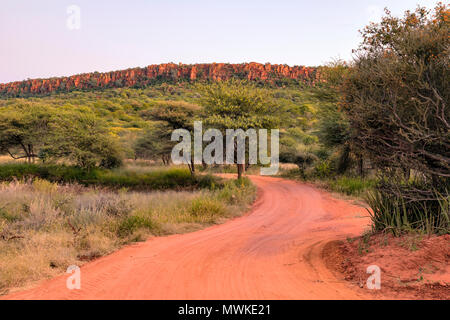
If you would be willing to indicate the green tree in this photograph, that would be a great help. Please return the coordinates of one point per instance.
(238, 105)
(83, 138)
(397, 92)
(155, 143)
(175, 115)
(23, 129)
(396, 98)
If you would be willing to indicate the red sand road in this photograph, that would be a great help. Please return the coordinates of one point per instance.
(273, 252)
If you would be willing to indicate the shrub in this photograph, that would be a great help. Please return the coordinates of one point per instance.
(207, 208)
(395, 98)
(131, 224)
(172, 178)
(351, 186)
(323, 169)
(411, 208)
(42, 232)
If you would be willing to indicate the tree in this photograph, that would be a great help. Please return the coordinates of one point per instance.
(396, 97)
(155, 143)
(176, 115)
(333, 127)
(23, 129)
(397, 92)
(81, 137)
(49, 133)
(237, 105)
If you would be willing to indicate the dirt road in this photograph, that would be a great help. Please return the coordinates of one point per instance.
(273, 252)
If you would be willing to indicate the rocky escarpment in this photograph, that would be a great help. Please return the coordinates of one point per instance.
(163, 72)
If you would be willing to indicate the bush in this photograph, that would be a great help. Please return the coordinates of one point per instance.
(206, 207)
(393, 212)
(131, 224)
(395, 98)
(323, 169)
(237, 192)
(173, 178)
(351, 186)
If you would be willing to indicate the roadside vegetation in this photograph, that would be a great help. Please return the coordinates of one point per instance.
(384, 124)
(47, 226)
(140, 178)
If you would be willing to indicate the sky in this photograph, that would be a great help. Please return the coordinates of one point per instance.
(44, 38)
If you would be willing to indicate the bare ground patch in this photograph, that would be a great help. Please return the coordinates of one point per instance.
(412, 266)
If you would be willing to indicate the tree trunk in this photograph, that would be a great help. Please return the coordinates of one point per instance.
(192, 166)
(361, 166)
(240, 170)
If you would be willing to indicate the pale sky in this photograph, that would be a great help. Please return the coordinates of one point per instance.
(37, 43)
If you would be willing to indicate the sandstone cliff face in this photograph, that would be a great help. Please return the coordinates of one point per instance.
(162, 72)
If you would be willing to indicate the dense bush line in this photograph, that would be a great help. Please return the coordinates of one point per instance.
(171, 178)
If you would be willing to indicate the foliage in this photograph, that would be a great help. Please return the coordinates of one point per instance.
(54, 134)
(403, 211)
(397, 91)
(155, 143)
(395, 97)
(175, 115)
(23, 129)
(171, 178)
(134, 117)
(238, 105)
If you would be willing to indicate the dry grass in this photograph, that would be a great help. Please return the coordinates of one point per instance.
(8, 159)
(45, 227)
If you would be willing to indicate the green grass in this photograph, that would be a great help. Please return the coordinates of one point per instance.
(352, 186)
(170, 178)
(129, 225)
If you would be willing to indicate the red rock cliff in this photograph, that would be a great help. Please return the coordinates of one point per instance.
(162, 72)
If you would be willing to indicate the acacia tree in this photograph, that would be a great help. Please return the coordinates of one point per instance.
(37, 131)
(81, 137)
(155, 143)
(175, 115)
(23, 130)
(397, 92)
(237, 105)
(396, 98)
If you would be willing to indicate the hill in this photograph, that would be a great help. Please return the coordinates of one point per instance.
(170, 72)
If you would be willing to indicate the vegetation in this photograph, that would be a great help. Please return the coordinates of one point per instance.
(238, 105)
(34, 131)
(161, 179)
(395, 97)
(375, 126)
(135, 121)
(45, 226)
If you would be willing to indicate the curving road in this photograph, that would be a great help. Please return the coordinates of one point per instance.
(273, 252)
